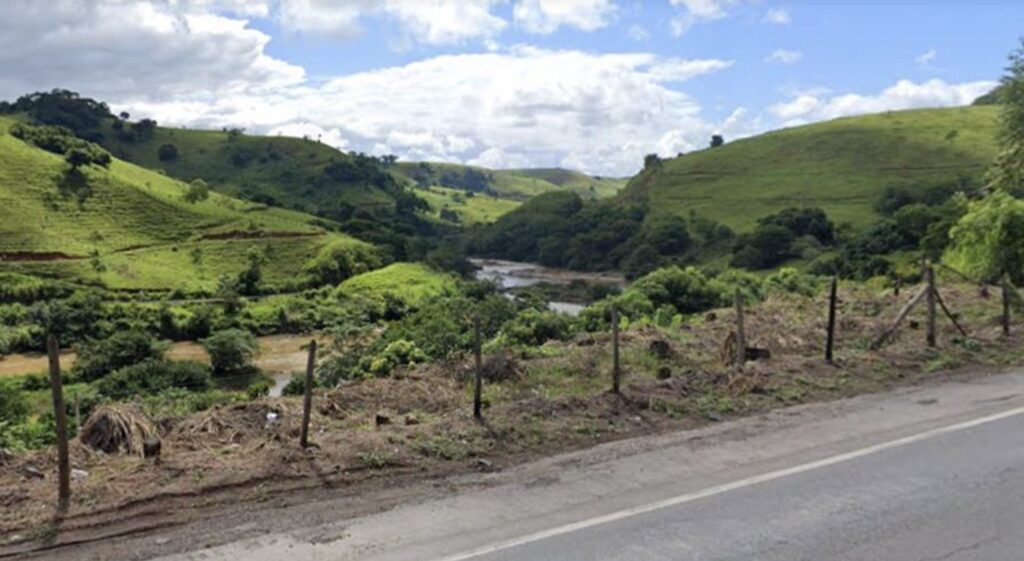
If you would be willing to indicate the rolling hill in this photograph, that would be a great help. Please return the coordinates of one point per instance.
(132, 227)
(843, 166)
(512, 184)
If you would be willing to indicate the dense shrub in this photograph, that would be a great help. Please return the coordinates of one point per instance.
(395, 354)
(154, 376)
(96, 359)
(13, 407)
(533, 327)
(167, 152)
(337, 261)
(687, 290)
(231, 351)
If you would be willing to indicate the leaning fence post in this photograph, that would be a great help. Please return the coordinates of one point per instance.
(478, 374)
(1006, 305)
(831, 320)
(929, 273)
(307, 400)
(741, 334)
(616, 369)
(63, 462)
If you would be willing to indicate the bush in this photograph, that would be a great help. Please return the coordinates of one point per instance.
(197, 191)
(688, 290)
(395, 354)
(167, 152)
(154, 376)
(337, 261)
(125, 348)
(534, 327)
(790, 280)
(231, 351)
(13, 407)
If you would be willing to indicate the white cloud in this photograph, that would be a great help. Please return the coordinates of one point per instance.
(141, 49)
(526, 107)
(905, 94)
(784, 56)
(638, 32)
(546, 16)
(777, 16)
(184, 64)
(436, 23)
(301, 129)
(498, 158)
(926, 59)
(698, 11)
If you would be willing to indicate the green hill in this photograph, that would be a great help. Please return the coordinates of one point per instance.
(512, 184)
(130, 227)
(843, 166)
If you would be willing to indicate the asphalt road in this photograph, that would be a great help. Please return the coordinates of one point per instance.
(952, 497)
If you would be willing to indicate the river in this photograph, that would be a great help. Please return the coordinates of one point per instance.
(510, 275)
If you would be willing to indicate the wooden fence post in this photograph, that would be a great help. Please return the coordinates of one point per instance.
(78, 415)
(616, 369)
(307, 400)
(478, 381)
(741, 333)
(63, 461)
(929, 273)
(1006, 305)
(830, 340)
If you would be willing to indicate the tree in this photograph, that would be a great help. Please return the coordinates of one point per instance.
(249, 279)
(197, 191)
(988, 241)
(717, 140)
(77, 158)
(1008, 170)
(651, 161)
(167, 152)
(124, 348)
(231, 351)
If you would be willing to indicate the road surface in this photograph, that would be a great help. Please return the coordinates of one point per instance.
(921, 474)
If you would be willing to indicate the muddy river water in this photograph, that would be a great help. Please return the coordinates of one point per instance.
(514, 274)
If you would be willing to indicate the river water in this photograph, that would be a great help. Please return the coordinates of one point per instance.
(513, 274)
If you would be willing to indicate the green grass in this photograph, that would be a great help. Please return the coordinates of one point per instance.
(515, 184)
(286, 169)
(413, 283)
(470, 210)
(139, 224)
(842, 166)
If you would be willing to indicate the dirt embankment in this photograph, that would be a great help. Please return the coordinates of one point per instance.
(386, 433)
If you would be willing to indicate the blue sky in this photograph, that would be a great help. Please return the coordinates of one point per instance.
(589, 84)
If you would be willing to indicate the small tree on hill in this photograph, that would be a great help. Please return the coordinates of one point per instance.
(197, 191)
(231, 351)
(167, 152)
(717, 140)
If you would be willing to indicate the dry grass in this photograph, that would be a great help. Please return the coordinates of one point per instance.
(117, 427)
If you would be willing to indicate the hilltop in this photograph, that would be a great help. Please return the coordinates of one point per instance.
(130, 227)
(843, 166)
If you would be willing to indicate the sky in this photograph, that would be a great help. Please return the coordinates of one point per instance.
(592, 85)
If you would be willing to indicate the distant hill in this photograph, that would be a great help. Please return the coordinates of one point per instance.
(476, 194)
(131, 227)
(843, 166)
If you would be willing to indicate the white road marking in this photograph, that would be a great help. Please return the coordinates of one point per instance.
(726, 487)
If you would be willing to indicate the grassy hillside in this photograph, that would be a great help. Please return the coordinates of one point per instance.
(469, 209)
(132, 228)
(513, 184)
(278, 170)
(842, 166)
